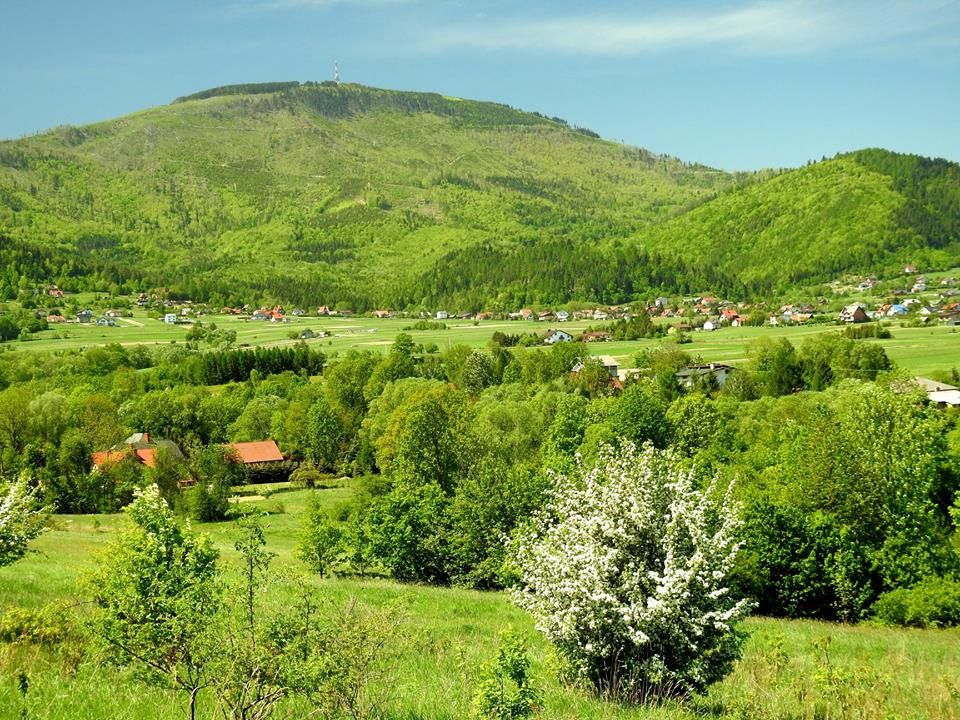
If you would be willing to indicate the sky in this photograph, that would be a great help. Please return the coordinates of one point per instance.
(735, 84)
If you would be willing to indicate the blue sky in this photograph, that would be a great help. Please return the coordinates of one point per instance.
(738, 84)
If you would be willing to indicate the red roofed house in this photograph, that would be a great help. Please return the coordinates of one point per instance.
(262, 461)
(138, 444)
(256, 453)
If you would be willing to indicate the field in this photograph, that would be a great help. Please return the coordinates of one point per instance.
(790, 669)
(921, 350)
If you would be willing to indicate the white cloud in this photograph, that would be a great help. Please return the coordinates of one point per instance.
(779, 27)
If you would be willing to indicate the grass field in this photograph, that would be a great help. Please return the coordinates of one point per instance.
(790, 669)
(921, 350)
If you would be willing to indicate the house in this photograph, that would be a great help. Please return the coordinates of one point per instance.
(113, 314)
(257, 452)
(106, 321)
(526, 314)
(854, 313)
(307, 334)
(600, 315)
(711, 325)
(139, 445)
(141, 299)
(598, 336)
(485, 315)
(170, 318)
(55, 319)
(609, 364)
(692, 374)
(606, 361)
(55, 292)
(939, 393)
(897, 309)
(910, 269)
(563, 316)
(323, 310)
(546, 316)
(555, 336)
(84, 316)
(442, 315)
(298, 312)
(661, 302)
(260, 314)
(382, 314)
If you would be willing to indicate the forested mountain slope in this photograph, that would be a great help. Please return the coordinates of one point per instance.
(329, 194)
(353, 196)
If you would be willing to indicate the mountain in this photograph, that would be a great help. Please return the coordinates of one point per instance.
(355, 196)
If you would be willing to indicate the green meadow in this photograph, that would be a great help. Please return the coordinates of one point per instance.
(921, 350)
(790, 669)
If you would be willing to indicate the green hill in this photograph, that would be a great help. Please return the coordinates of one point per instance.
(355, 196)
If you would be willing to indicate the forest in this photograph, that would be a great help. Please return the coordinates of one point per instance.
(365, 198)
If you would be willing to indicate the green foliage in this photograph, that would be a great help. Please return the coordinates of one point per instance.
(319, 544)
(933, 602)
(157, 590)
(504, 691)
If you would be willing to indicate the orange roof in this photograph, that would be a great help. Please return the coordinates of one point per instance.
(257, 452)
(148, 456)
(107, 457)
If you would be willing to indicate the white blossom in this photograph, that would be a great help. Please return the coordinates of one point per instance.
(625, 571)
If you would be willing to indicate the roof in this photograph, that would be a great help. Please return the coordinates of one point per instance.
(107, 457)
(260, 451)
(933, 385)
(945, 397)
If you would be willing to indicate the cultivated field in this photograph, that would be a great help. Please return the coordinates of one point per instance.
(790, 669)
(921, 350)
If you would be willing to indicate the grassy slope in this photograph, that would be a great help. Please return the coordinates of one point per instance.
(871, 210)
(790, 669)
(921, 350)
(371, 197)
(287, 184)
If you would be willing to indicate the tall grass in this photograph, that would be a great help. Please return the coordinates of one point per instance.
(790, 669)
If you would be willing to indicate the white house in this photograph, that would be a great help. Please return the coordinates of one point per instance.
(563, 316)
(689, 375)
(555, 336)
(442, 315)
(170, 318)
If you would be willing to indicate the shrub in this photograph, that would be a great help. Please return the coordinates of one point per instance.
(504, 691)
(626, 572)
(933, 602)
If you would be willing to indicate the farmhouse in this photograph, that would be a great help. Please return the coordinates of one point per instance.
(139, 445)
(598, 336)
(170, 318)
(106, 321)
(555, 336)
(258, 452)
(85, 316)
(854, 313)
(692, 374)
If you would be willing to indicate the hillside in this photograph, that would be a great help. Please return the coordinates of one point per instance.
(360, 197)
(339, 194)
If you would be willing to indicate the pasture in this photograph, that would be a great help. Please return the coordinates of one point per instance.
(790, 669)
(921, 350)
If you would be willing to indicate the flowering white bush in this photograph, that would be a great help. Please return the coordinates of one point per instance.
(20, 521)
(625, 571)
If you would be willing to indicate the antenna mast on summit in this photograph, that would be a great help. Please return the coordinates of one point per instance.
(336, 73)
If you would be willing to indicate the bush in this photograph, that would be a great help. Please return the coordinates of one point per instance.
(505, 692)
(934, 602)
(626, 572)
(49, 625)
